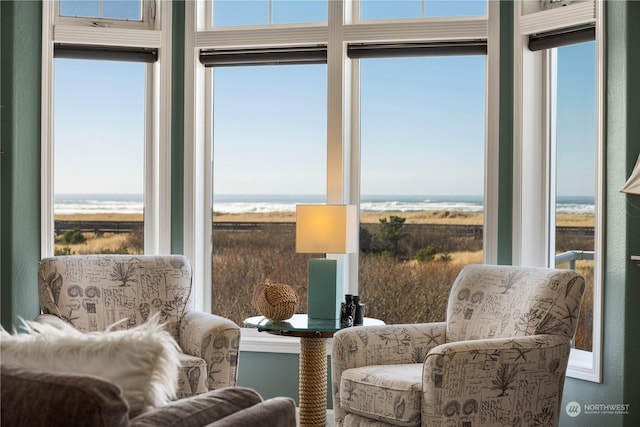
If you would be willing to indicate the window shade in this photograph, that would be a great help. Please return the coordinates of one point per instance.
(266, 56)
(562, 37)
(386, 50)
(108, 53)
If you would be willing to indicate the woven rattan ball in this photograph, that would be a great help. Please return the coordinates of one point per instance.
(275, 301)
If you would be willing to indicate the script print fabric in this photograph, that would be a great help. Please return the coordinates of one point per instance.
(500, 359)
(355, 349)
(389, 392)
(493, 382)
(511, 302)
(93, 292)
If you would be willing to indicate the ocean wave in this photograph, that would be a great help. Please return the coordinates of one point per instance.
(249, 207)
(95, 206)
(418, 206)
(133, 204)
(575, 208)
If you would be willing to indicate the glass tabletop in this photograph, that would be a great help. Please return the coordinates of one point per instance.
(300, 323)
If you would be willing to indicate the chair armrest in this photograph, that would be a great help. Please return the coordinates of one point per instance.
(380, 345)
(200, 410)
(53, 320)
(37, 397)
(216, 340)
(277, 411)
(463, 379)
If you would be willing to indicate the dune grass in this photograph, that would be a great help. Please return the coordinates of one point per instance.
(395, 289)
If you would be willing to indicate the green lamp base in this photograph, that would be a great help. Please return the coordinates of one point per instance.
(324, 292)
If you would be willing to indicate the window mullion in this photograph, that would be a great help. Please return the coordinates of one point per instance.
(337, 99)
(338, 123)
(151, 175)
(492, 139)
(163, 126)
(47, 148)
(551, 92)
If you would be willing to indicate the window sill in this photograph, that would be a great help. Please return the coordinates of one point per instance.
(583, 366)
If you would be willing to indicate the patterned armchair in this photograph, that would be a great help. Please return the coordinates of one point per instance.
(499, 359)
(92, 292)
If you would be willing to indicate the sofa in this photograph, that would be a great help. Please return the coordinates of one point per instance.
(33, 397)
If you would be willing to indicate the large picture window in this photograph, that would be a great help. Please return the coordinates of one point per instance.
(386, 133)
(575, 144)
(559, 157)
(105, 131)
(422, 193)
(99, 156)
(269, 154)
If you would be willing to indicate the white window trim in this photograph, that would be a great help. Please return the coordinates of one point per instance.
(492, 139)
(259, 342)
(342, 121)
(197, 166)
(531, 162)
(157, 157)
(149, 18)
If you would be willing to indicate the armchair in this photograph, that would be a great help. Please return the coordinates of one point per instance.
(499, 358)
(91, 292)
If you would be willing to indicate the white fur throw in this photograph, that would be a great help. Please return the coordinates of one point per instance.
(143, 360)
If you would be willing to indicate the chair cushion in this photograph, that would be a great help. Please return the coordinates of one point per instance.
(389, 393)
(192, 376)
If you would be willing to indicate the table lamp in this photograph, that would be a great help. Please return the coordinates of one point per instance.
(323, 229)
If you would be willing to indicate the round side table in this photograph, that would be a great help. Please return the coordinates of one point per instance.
(313, 334)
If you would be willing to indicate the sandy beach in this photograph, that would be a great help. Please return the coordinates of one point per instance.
(424, 217)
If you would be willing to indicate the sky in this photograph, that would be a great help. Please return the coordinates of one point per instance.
(422, 119)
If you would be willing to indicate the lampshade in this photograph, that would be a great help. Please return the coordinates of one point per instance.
(632, 186)
(323, 228)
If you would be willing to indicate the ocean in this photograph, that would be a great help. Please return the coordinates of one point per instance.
(234, 203)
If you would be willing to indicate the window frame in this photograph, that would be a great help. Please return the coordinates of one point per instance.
(343, 129)
(157, 150)
(149, 18)
(533, 94)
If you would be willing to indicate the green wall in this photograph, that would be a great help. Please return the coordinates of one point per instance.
(620, 378)
(630, 208)
(505, 143)
(276, 374)
(20, 146)
(177, 128)
(270, 374)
